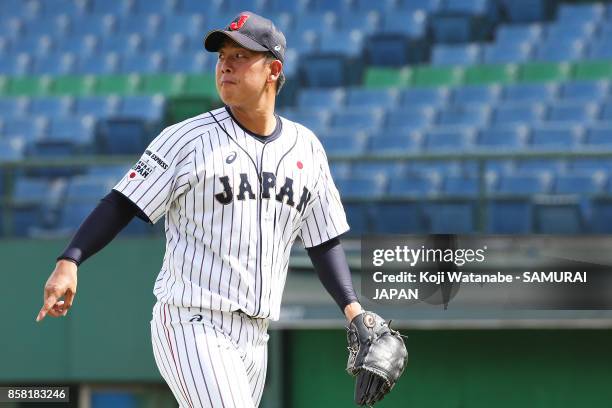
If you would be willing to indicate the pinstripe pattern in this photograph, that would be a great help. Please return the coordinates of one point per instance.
(205, 366)
(233, 206)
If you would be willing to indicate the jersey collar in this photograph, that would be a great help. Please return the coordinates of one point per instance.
(261, 138)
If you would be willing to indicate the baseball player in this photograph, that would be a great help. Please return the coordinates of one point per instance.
(237, 185)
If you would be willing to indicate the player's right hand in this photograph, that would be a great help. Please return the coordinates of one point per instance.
(62, 282)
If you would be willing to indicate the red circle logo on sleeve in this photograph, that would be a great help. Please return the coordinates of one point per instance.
(133, 174)
(300, 165)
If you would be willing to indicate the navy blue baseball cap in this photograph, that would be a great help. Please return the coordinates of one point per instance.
(252, 32)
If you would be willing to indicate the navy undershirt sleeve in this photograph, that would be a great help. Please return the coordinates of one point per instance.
(330, 263)
(111, 215)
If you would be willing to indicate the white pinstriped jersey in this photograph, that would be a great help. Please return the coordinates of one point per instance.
(234, 206)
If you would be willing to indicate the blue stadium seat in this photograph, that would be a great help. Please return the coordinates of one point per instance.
(163, 7)
(366, 21)
(380, 6)
(28, 128)
(65, 7)
(434, 166)
(580, 13)
(115, 8)
(52, 106)
(585, 91)
(282, 6)
(509, 216)
(12, 107)
(556, 218)
(357, 118)
(525, 11)
(187, 62)
(32, 45)
(572, 112)
(326, 98)
(196, 6)
(327, 71)
(409, 118)
(541, 165)
(394, 50)
(11, 149)
(78, 45)
(518, 33)
(302, 41)
(412, 25)
(189, 25)
(317, 22)
(580, 183)
(27, 204)
(121, 43)
(150, 108)
(461, 21)
(460, 185)
(606, 111)
(555, 136)
(349, 43)
(600, 49)
(427, 6)
(599, 135)
(144, 63)
(557, 50)
(96, 106)
(450, 216)
(518, 113)
(463, 115)
(529, 92)
(54, 64)
(580, 165)
(77, 130)
(21, 65)
(339, 169)
(503, 137)
(145, 25)
(505, 53)
(337, 6)
(417, 185)
(351, 145)
(477, 94)
(95, 25)
(169, 44)
(119, 136)
(448, 139)
(99, 64)
(567, 32)
(416, 97)
(399, 217)
(525, 184)
(361, 187)
(394, 142)
(371, 98)
(49, 25)
(455, 54)
(387, 168)
(311, 118)
(11, 28)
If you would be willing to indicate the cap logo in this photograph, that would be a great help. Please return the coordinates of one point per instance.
(238, 22)
(277, 48)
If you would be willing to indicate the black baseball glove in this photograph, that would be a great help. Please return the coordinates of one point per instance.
(377, 357)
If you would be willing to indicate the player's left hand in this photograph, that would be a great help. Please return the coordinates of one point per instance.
(377, 357)
(61, 283)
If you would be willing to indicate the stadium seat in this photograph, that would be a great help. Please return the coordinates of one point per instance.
(526, 92)
(80, 45)
(387, 168)
(115, 8)
(282, 6)
(526, 11)
(367, 21)
(32, 45)
(475, 94)
(463, 115)
(166, 84)
(99, 26)
(518, 33)
(163, 7)
(517, 113)
(446, 54)
(144, 63)
(489, 74)
(448, 139)
(337, 6)
(189, 25)
(580, 183)
(125, 44)
(409, 118)
(118, 84)
(599, 135)
(554, 50)
(16, 66)
(354, 144)
(51, 106)
(506, 53)
(379, 77)
(149, 108)
(544, 71)
(96, 106)
(357, 118)
(580, 13)
(348, 43)
(27, 127)
(316, 22)
(427, 6)
(541, 165)
(326, 98)
(463, 21)
(169, 44)
(143, 25)
(503, 137)
(600, 49)
(11, 149)
(99, 64)
(585, 91)
(77, 130)
(371, 98)
(551, 217)
(453, 216)
(416, 97)
(13, 107)
(572, 112)
(313, 119)
(555, 136)
(121, 136)
(327, 71)
(72, 85)
(200, 85)
(187, 62)
(437, 76)
(27, 204)
(394, 142)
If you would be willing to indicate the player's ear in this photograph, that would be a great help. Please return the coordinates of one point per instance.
(276, 68)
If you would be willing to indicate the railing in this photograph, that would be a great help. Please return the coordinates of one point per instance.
(480, 157)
